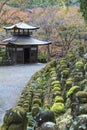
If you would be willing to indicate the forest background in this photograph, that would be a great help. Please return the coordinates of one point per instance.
(60, 21)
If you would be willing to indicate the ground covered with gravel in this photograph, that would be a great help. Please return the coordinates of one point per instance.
(12, 82)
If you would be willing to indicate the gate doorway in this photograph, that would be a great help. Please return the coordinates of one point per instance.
(26, 55)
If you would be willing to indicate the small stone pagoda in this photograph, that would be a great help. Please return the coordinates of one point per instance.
(22, 48)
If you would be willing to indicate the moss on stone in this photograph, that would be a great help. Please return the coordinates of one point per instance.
(37, 94)
(69, 82)
(55, 82)
(72, 90)
(70, 55)
(58, 107)
(3, 127)
(53, 78)
(16, 127)
(65, 73)
(59, 99)
(52, 69)
(63, 66)
(56, 85)
(56, 93)
(53, 75)
(79, 64)
(37, 91)
(35, 109)
(81, 94)
(77, 78)
(83, 84)
(83, 108)
(36, 101)
(68, 102)
(19, 109)
(53, 72)
(85, 67)
(47, 106)
(63, 61)
(56, 89)
(15, 115)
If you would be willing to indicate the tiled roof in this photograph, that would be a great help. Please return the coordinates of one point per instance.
(21, 25)
(23, 40)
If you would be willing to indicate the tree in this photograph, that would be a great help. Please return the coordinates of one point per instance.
(83, 6)
(2, 3)
(66, 35)
(22, 4)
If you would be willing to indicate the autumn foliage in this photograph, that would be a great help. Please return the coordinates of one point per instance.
(59, 25)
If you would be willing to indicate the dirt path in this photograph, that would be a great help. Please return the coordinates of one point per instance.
(12, 81)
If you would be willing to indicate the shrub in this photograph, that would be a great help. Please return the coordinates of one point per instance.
(42, 58)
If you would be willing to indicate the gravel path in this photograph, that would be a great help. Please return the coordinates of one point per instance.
(12, 81)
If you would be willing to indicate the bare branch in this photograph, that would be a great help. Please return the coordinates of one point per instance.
(2, 3)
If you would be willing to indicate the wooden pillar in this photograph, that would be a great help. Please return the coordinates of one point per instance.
(18, 31)
(37, 54)
(15, 55)
(23, 55)
(48, 53)
(6, 50)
